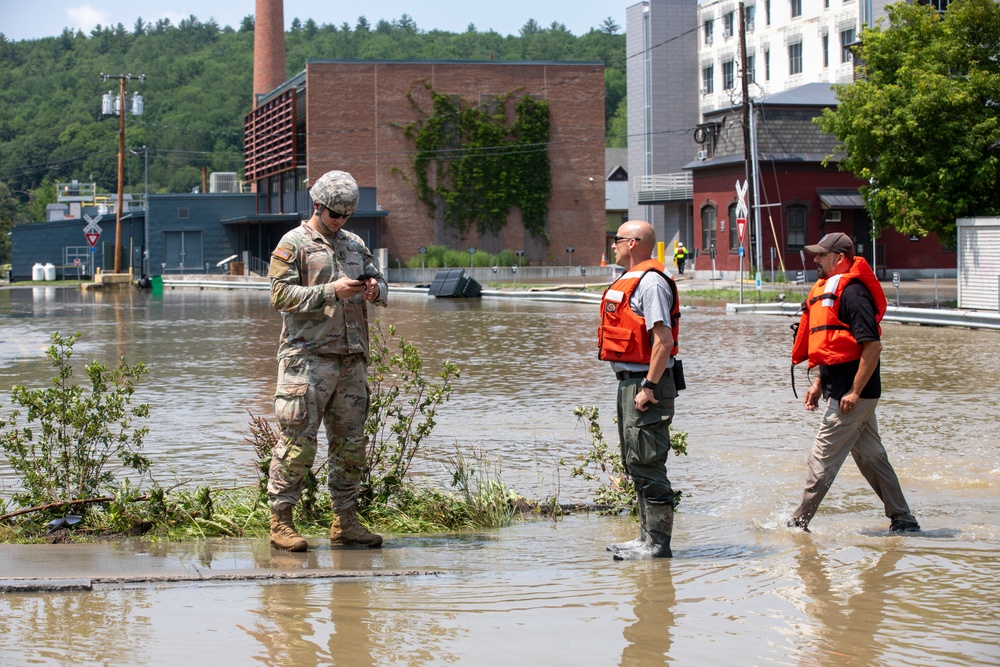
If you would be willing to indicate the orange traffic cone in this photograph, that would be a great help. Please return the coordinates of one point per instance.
(604, 262)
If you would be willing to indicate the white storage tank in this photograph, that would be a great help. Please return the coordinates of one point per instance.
(37, 272)
(50, 271)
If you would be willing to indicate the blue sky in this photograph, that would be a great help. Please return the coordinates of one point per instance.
(32, 19)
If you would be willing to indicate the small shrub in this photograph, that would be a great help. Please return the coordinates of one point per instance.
(615, 491)
(72, 435)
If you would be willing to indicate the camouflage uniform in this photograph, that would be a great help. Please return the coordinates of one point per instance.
(322, 362)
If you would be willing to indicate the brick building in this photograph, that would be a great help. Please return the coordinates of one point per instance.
(801, 199)
(349, 115)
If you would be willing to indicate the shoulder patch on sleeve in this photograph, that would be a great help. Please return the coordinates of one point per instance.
(284, 253)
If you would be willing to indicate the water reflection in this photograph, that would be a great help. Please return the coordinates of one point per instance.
(848, 621)
(649, 637)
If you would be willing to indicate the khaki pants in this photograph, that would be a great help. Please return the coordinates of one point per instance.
(856, 434)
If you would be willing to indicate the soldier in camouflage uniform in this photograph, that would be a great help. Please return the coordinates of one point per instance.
(322, 278)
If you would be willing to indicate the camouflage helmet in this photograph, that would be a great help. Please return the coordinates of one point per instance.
(336, 190)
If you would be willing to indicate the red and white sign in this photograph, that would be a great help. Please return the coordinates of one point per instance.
(741, 208)
(92, 238)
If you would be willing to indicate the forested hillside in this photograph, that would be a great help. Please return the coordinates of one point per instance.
(198, 87)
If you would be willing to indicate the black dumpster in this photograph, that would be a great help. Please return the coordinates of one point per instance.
(454, 283)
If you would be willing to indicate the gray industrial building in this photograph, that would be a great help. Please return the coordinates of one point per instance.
(188, 234)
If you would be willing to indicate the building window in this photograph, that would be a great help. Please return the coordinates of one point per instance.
(750, 13)
(707, 228)
(183, 213)
(727, 25)
(767, 64)
(796, 8)
(767, 12)
(846, 39)
(796, 216)
(751, 68)
(728, 75)
(708, 31)
(707, 79)
(826, 4)
(826, 51)
(795, 59)
(734, 231)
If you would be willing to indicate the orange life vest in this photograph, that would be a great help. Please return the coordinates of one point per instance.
(622, 335)
(821, 337)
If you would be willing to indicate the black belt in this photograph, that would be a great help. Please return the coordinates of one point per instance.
(630, 375)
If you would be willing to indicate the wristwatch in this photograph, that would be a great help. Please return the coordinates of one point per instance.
(647, 384)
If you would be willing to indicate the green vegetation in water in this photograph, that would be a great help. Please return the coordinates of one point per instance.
(602, 465)
(62, 462)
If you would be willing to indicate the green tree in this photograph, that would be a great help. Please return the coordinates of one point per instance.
(10, 214)
(609, 27)
(922, 123)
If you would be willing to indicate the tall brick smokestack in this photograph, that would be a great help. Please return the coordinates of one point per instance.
(268, 47)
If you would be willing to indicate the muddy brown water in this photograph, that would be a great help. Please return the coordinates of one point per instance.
(741, 590)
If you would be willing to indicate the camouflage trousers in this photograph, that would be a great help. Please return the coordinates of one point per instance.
(332, 389)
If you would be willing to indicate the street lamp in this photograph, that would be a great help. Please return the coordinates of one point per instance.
(111, 106)
(145, 209)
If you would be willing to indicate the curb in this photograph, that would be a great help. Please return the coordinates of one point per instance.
(73, 585)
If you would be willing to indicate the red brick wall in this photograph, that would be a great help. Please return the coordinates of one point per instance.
(354, 112)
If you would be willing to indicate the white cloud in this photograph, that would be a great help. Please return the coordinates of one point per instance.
(85, 17)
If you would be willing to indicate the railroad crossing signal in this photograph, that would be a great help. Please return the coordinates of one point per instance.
(741, 208)
(92, 231)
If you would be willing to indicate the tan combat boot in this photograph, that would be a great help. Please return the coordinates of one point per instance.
(283, 533)
(346, 529)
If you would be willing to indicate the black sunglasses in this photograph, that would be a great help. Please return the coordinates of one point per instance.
(334, 214)
(619, 239)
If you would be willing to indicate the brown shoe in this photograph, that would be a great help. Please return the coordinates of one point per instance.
(283, 533)
(346, 529)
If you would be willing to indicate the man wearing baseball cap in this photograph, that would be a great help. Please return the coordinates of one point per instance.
(839, 332)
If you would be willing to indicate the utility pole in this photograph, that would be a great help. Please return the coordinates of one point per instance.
(119, 108)
(745, 85)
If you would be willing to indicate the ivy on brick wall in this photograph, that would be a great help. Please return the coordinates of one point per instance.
(475, 166)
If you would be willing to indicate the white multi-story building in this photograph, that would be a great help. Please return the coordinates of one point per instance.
(789, 43)
(684, 61)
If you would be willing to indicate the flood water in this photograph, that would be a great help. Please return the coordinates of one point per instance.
(742, 589)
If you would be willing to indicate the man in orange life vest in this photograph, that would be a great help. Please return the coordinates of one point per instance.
(839, 332)
(638, 335)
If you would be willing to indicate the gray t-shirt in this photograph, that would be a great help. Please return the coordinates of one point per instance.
(652, 300)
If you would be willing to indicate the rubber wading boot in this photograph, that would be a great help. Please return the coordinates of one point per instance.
(346, 529)
(283, 533)
(632, 544)
(660, 525)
